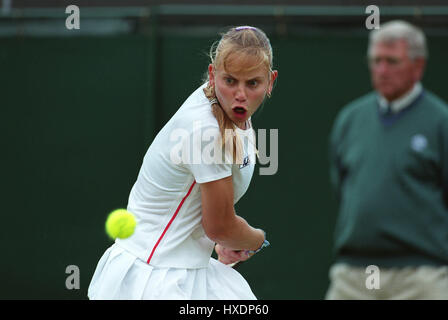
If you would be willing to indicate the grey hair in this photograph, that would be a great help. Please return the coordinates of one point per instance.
(400, 30)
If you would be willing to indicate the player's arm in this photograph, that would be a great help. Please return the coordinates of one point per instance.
(220, 222)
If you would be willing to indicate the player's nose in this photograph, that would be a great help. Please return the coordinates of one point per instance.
(240, 94)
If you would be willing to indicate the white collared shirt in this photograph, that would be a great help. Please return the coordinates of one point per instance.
(399, 104)
(166, 198)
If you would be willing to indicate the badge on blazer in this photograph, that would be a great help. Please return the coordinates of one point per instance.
(419, 142)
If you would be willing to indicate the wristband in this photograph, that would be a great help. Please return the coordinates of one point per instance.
(263, 245)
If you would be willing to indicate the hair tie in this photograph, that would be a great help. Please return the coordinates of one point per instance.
(244, 28)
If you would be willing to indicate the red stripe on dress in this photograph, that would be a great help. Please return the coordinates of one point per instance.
(171, 220)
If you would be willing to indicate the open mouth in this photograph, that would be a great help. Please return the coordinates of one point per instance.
(239, 110)
(239, 113)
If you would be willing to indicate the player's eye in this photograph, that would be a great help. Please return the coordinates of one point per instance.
(253, 83)
(229, 80)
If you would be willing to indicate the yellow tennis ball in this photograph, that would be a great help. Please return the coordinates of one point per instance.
(120, 224)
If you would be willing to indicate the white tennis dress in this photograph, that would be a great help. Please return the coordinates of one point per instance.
(169, 254)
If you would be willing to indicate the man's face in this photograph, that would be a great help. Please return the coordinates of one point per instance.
(393, 73)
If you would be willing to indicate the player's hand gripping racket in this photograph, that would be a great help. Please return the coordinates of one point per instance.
(249, 253)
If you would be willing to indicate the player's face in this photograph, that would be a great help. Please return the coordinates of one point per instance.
(241, 89)
(393, 73)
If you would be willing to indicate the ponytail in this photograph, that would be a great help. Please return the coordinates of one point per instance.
(229, 136)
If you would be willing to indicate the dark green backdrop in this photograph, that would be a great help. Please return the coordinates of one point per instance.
(79, 113)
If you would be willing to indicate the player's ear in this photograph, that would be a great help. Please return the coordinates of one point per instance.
(274, 75)
(211, 75)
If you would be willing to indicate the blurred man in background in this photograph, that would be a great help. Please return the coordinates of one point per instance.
(389, 166)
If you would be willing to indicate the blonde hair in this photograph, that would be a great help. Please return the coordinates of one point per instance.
(237, 43)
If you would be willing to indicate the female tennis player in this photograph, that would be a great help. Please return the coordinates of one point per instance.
(185, 209)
